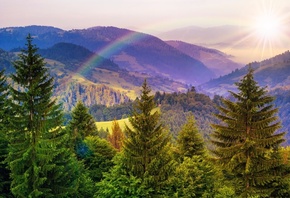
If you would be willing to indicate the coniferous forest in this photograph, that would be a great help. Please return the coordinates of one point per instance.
(234, 150)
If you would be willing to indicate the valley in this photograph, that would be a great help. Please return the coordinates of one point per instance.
(107, 66)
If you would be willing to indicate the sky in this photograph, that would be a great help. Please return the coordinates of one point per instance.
(157, 16)
(147, 15)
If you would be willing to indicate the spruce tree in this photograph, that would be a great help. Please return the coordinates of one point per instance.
(4, 128)
(189, 141)
(117, 136)
(194, 173)
(40, 165)
(146, 146)
(81, 126)
(247, 140)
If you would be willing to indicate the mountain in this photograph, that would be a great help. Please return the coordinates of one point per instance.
(273, 73)
(219, 62)
(99, 82)
(244, 43)
(131, 50)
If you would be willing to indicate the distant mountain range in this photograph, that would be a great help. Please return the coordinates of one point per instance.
(273, 73)
(219, 62)
(100, 82)
(131, 50)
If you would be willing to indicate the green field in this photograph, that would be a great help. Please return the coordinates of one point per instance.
(122, 122)
(108, 124)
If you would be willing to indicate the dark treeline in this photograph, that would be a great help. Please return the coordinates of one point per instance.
(104, 113)
(41, 158)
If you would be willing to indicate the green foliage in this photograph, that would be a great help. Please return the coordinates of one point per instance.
(118, 183)
(81, 126)
(194, 178)
(246, 142)
(98, 158)
(194, 173)
(108, 113)
(4, 128)
(175, 107)
(189, 141)
(146, 146)
(40, 165)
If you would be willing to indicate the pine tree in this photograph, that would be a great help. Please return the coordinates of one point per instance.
(189, 141)
(99, 157)
(194, 173)
(81, 126)
(247, 141)
(40, 166)
(146, 145)
(4, 128)
(117, 136)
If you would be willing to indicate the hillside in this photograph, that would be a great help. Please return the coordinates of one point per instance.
(273, 73)
(100, 82)
(219, 62)
(131, 50)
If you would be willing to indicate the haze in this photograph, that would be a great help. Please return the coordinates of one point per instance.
(155, 17)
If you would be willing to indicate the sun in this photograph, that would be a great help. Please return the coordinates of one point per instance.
(268, 26)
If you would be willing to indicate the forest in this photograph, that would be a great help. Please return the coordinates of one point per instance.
(231, 148)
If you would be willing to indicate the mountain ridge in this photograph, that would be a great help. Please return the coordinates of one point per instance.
(273, 73)
(151, 54)
(103, 83)
(219, 62)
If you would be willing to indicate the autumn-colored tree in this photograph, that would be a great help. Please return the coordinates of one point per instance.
(117, 136)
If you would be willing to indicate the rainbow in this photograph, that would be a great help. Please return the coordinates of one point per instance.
(109, 50)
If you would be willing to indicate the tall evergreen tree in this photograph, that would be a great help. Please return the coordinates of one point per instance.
(40, 166)
(4, 128)
(247, 141)
(117, 136)
(81, 126)
(146, 145)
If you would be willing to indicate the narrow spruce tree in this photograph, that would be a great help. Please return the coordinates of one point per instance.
(247, 140)
(117, 136)
(40, 166)
(146, 146)
(189, 141)
(81, 126)
(194, 173)
(4, 128)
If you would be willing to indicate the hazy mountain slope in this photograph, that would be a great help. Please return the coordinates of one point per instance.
(74, 56)
(131, 50)
(273, 73)
(219, 62)
(101, 83)
(219, 35)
